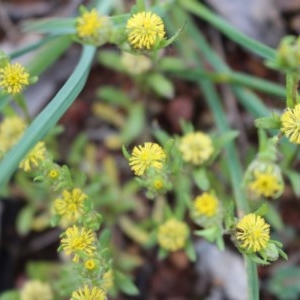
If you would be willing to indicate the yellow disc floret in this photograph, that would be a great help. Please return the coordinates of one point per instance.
(13, 78)
(77, 239)
(172, 235)
(144, 157)
(206, 205)
(290, 124)
(196, 147)
(89, 23)
(70, 206)
(144, 30)
(253, 233)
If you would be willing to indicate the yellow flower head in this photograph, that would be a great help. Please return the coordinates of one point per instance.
(253, 233)
(71, 206)
(88, 293)
(145, 29)
(172, 235)
(144, 157)
(13, 78)
(206, 205)
(11, 130)
(290, 124)
(90, 264)
(36, 290)
(78, 239)
(89, 23)
(265, 183)
(196, 147)
(34, 157)
(263, 179)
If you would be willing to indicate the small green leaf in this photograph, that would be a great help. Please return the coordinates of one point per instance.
(201, 179)
(161, 85)
(135, 123)
(294, 178)
(125, 284)
(24, 220)
(190, 251)
(272, 122)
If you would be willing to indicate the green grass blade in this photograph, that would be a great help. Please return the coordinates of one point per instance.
(201, 11)
(49, 116)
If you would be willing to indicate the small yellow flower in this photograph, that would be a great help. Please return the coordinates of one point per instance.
(89, 23)
(172, 235)
(290, 124)
(90, 264)
(36, 290)
(78, 239)
(71, 206)
(253, 233)
(265, 184)
(34, 157)
(196, 147)
(89, 293)
(206, 204)
(144, 157)
(145, 29)
(53, 174)
(107, 280)
(11, 130)
(13, 78)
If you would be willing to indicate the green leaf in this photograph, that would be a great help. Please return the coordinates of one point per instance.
(111, 60)
(272, 122)
(135, 123)
(273, 218)
(105, 238)
(161, 85)
(24, 220)
(125, 284)
(190, 251)
(294, 178)
(201, 179)
(114, 96)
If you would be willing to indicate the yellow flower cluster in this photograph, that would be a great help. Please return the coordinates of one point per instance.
(71, 206)
(89, 293)
(196, 148)
(206, 205)
(253, 233)
(37, 290)
(172, 235)
(13, 78)
(290, 124)
(144, 157)
(145, 30)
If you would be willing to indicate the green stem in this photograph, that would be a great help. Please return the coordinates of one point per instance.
(20, 100)
(236, 78)
(200, 10)
(292, 80)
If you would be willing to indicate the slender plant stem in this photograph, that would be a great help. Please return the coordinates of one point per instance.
(292, 80)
